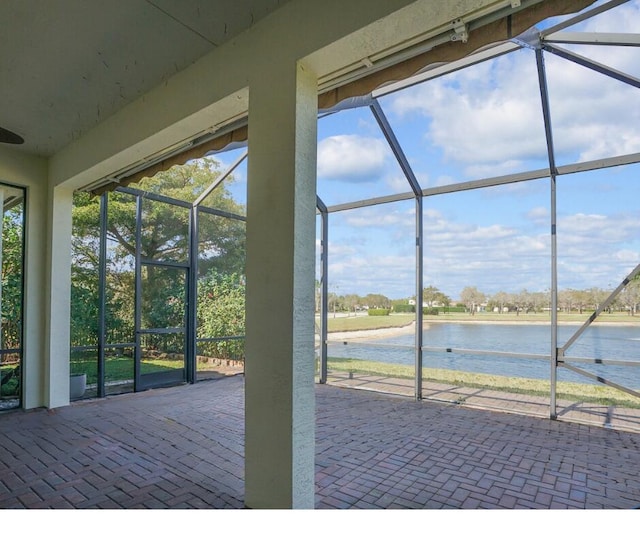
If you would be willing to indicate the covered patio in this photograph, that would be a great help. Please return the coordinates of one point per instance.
(98, 95)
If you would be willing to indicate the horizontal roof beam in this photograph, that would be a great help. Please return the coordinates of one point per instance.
(594, 38)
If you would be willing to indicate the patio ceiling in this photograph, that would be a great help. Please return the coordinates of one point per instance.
(67, 66)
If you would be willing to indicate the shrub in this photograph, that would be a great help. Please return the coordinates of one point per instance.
(221, 314)
(404, 308)
(453, 309)
(379, 311)
(430, 311)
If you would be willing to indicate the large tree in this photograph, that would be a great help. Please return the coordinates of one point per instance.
(472, 298)
(376, 300)
(630, 296)
(165, 226)
(164, 237)
(501, 301)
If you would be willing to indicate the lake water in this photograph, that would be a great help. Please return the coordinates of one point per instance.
(598, 341)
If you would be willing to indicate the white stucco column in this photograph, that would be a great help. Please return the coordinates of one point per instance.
(58, 290)
(279, 369)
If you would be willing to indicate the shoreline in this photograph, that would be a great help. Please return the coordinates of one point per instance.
(374, 333)
(382, 333)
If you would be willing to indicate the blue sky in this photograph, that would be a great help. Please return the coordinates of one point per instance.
(481, 122)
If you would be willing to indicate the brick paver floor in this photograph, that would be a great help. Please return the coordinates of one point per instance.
(616, 417)
(182, 447)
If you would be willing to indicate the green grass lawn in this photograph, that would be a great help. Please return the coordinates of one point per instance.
(347, 324)
(365, 322)
(571, 391)
(120, 368)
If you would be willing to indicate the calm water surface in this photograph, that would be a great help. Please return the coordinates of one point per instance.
(598, 341)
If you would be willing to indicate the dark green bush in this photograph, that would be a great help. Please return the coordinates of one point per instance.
(11, 388)
(221, 314)
(404, 308)
(378, 311)
(430, 311)
(451, 309)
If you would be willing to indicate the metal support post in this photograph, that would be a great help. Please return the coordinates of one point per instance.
(390, 136)
(192, 298)
(102, 292)
(324, 289)
(419, 296)
(138, 297)
(542, 79)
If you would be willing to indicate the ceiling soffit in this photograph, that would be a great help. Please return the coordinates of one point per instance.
(67, 66)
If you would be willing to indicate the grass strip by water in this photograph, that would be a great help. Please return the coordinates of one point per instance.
(571, 391)
(349, 324)
(364, 322)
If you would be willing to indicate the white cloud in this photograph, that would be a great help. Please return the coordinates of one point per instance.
(593, 116)
(499, 257)
(622, 19)
(493, 232)
(382, 216)
(488, 119)
(485, 115)
(594, 250)
(398, 183)
(372, 250)
(599, 228)
(627, 256)
(351, 157)
(444, 180)
(493, 169)
(339, 250)
(538, 214)
(390, 275)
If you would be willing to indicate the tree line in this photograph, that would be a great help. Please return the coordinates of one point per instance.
(568, 300)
